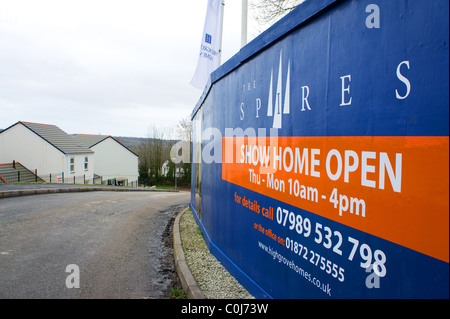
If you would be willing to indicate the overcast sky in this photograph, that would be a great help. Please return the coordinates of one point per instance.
(104, 66)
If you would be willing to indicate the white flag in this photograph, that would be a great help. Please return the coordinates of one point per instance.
(208, 59)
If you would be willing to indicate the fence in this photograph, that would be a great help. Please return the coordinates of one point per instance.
(17, 173)
(63, 178)
(84, 179)
(20, 177)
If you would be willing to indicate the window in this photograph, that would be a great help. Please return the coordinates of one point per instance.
(72, 164)
(86, 163)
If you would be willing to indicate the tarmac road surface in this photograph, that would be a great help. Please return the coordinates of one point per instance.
(114, 242)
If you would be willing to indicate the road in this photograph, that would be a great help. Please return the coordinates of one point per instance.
(118, 240)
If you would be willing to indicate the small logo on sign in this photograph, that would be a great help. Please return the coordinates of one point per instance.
(208, 38)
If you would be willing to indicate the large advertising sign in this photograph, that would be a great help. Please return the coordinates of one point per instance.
(321, 154)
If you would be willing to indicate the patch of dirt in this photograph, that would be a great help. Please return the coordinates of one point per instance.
(167, 260)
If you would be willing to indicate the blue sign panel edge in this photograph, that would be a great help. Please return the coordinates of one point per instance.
(251, 286)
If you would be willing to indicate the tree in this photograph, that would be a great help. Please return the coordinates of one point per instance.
(184, 131)
(267, 12)
(155, 153)
(151, 157)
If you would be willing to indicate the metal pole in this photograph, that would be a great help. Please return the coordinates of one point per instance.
(221, 31)
(175, 176)
(244, 23)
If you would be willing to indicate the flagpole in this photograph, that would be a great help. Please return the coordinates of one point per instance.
(221, 31)
(244, 23)
(210, 55)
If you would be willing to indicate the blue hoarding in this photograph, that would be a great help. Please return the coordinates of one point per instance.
(320, 154)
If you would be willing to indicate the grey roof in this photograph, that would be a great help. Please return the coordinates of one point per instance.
(90, 140)
(64, 142)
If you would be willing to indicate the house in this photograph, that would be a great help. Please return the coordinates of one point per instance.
(56, 155)
(114, 163)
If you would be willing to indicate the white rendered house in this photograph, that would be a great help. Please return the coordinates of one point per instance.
(56, 155)
(114, 162)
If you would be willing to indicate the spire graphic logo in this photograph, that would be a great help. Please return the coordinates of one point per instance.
(276, 110)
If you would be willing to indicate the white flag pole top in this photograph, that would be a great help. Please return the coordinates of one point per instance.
(211, 44)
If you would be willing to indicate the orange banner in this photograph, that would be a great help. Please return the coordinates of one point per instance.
(395, 188)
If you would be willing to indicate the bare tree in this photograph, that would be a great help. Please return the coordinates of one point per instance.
(156, 152)
(184, 131)
(267, 12)
(151, 156)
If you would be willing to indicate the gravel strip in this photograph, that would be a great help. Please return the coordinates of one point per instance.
(212, 278)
